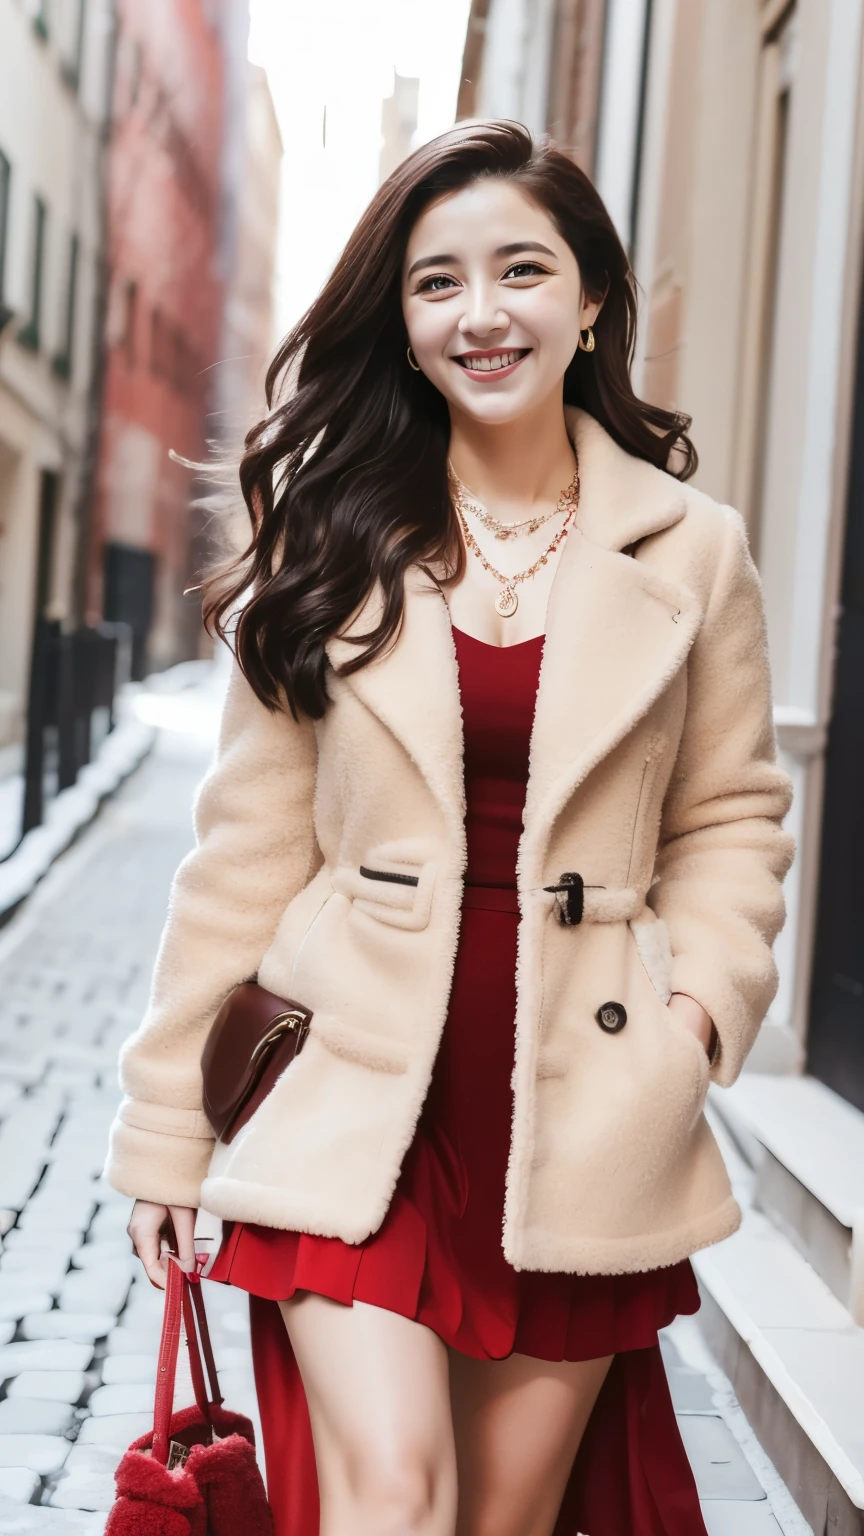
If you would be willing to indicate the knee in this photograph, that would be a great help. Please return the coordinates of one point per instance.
(402, 1496)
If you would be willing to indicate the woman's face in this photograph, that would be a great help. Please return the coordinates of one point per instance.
(493, 301)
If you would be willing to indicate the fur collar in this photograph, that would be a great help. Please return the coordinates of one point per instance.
(622, 499)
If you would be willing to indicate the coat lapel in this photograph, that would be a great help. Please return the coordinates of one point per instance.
(414, 688)
(617, 631)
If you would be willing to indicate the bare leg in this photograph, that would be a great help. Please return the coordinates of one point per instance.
(377, 1386)
(518, 1424)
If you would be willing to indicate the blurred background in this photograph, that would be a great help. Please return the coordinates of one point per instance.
(177, 177)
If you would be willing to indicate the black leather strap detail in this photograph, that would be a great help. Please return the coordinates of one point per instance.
(571, 887)
(388, 876)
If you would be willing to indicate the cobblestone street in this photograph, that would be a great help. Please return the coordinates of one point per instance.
(78, 1320)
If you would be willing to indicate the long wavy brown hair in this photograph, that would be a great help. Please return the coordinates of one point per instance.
(345, 479)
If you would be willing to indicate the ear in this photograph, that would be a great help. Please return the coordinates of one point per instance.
(591, 308)
(589, 311)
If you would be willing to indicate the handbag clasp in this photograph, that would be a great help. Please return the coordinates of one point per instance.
(292, 1022)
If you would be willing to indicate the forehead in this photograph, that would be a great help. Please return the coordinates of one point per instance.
(482, 216)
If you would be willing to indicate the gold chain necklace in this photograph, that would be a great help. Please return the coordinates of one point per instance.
(468, 503)
(507, 601)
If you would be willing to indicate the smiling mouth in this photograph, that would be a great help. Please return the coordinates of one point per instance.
(491, 362)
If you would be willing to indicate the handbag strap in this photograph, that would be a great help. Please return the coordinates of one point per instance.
(166, 1366)
(195, 1369)
(195, 1292)
(179, 1310)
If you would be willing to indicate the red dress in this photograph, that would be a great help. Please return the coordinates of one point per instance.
(437, 1257)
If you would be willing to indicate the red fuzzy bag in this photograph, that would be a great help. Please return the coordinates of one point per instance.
(195, 1474)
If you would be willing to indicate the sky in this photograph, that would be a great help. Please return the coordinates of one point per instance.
(340, 55)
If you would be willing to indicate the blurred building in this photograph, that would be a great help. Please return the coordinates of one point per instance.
(248, 337)
(727, 138)
(398, 123)
(540, 62)
(193, 206)
(163, 318)
(55, 64)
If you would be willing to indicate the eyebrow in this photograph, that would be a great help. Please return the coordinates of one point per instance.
(502, 250)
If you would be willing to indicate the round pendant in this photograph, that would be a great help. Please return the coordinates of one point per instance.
(506, 602)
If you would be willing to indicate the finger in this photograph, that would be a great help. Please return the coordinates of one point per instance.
(184, 1230)
(147, 1247)
(156, 1274)
(166, 1232)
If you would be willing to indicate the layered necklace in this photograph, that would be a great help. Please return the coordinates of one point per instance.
(467, 505)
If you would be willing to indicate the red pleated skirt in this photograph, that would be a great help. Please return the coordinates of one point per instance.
(437, 1258)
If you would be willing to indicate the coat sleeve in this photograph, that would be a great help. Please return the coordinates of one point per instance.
(723, 853)
(255, 849)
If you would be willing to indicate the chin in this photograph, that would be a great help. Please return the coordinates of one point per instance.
(496, 412)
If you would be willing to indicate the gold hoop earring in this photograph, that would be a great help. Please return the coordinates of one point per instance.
(590, 344)
(412, 361)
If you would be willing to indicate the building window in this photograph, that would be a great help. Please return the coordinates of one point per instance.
(136, 70)
(157, 344)
(172, 358)
(31, 334)
(128, 336)
(182, 369)
(41, 18)
(5, 184)
(63, 360)
(71, 66)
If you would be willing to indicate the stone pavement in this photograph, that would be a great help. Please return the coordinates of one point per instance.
(78, 1321)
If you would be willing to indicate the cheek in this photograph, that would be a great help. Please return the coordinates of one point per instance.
(428, 326)
(553, 324)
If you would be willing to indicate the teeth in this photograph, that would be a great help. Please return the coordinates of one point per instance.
(491, 364)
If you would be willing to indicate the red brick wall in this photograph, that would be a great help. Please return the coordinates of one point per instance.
(164, 311)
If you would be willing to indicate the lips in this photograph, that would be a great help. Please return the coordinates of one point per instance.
(499, 361)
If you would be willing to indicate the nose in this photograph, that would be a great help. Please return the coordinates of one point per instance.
(482, 315)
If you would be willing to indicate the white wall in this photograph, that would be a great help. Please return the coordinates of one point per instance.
(810, 384)
(50, 132)
(805, 495)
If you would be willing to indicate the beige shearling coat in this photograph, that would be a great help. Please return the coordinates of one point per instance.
(652, 774)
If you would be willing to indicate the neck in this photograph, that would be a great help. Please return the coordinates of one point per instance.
(517, 465)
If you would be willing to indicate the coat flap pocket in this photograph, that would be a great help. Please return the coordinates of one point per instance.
(389, 884)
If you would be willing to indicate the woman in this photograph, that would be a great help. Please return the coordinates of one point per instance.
(466, 1234)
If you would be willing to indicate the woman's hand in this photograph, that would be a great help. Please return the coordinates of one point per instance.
(149, 1224)
(693, 1016)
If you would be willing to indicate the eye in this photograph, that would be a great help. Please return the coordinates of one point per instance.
(439, 282)
(526, 269)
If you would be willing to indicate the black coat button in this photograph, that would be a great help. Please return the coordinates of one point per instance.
(611, 1017)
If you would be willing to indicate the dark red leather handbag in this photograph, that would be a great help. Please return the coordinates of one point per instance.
(195, 1473)
(253, 1038)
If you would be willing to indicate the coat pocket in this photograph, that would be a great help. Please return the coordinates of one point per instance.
(676, 1043)
(655, 951)
(391, 887)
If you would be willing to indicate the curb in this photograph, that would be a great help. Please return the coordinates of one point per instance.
(71, 810)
